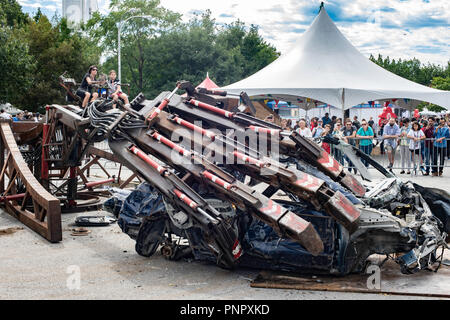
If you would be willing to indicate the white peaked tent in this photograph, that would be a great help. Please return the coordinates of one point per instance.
(323, 65)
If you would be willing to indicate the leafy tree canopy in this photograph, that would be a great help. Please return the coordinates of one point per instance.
(156, 51)
(173, 50)
(430, 75)
(11, 14)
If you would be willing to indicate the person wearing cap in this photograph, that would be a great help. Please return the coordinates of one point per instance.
(317, 131)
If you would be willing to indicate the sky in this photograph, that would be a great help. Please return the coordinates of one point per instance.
(395, 28)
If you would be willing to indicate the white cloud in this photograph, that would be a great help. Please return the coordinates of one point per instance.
(408, 29)
(49, 7)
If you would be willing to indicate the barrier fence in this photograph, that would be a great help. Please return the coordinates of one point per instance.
(426, 157)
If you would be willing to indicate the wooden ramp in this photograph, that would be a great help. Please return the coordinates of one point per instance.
(22, 195)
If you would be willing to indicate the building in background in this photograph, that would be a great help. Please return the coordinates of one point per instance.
(77, 11)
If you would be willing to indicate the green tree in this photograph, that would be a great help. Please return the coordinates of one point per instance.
(431, 75)
(16, 65)
(257, 52)
(440, 83)
(34, 52)
(136, 34)
(247, 50)
(54, 50)
(11, 14)
(411, 69)
(189, 50)
(157, 53)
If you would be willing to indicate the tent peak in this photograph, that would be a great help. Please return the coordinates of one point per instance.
(321, 6)
(323, 65)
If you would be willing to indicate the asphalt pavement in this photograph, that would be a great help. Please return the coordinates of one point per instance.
(104, 265)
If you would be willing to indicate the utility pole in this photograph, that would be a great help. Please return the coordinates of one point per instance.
(119, 30)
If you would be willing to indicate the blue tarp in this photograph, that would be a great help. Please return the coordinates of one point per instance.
(142, 202)
(263, 248)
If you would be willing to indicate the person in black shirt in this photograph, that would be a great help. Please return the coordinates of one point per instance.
(356, 123)
(333, 122)
(85, 89)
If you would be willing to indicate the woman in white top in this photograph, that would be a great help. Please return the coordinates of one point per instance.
(303, 130)
(416, 136)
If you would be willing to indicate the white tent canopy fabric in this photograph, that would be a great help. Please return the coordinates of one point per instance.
(323, 65)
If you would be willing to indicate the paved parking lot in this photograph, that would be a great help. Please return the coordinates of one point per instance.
(109, 268)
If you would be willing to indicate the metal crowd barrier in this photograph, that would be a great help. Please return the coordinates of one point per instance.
(415, 161)
(104, 146)
(405, 160)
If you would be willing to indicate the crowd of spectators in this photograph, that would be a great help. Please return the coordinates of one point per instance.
(423, 143)
(21, 116)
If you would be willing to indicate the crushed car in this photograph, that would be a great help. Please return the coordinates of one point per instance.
(213, 175)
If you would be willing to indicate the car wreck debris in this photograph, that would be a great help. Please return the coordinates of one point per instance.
(332, 225)
(211, 175)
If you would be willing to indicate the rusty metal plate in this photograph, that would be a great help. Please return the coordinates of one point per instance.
(350, 182)
(392, 282)
(340, 208)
